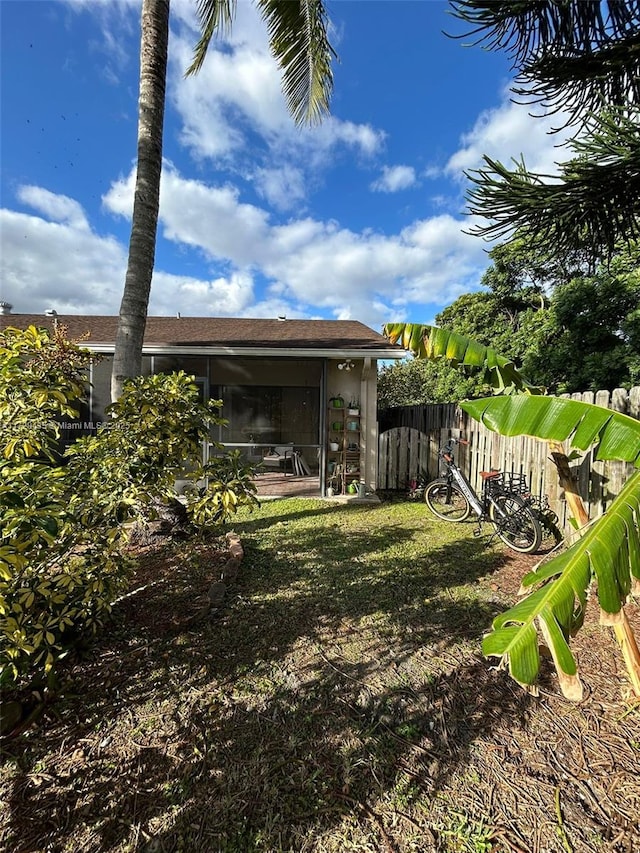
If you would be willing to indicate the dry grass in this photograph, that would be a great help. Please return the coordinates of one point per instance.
(338, 703)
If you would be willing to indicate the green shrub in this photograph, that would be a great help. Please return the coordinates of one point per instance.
(63, 540)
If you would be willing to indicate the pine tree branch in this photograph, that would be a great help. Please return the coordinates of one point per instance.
(592, 205)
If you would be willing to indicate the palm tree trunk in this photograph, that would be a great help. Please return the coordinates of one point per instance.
(127, 359)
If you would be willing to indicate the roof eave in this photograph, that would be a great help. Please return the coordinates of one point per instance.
(263, 352)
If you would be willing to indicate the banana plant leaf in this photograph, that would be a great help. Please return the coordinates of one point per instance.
(559, 419)
(433, 342)
(609, 552)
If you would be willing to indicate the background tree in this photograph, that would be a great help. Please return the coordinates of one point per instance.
(582, 58)
(568, 329)
(509, 317)
(592, 332)
(298, 39)
(414, 382)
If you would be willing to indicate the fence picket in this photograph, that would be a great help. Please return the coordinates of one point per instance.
(410, 437)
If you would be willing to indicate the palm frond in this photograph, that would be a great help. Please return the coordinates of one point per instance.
(214, 16)
(299, 42)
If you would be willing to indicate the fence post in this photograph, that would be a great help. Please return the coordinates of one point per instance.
(618, 470)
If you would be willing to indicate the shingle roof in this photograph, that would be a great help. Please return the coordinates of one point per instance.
(220, 331)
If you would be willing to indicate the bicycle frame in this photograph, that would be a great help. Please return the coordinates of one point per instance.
(454, 473)
(478, 505)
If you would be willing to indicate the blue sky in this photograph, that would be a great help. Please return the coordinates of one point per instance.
(361, 218)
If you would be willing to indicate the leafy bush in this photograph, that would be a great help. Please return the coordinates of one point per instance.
(62, 534)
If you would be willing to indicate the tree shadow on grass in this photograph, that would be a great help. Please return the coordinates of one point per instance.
(340, 677)
(330, 756)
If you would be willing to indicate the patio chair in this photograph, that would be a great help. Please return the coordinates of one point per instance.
(300, 465)
(279, 457)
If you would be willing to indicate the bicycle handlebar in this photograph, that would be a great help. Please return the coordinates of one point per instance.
(447, 449)
(453, 441)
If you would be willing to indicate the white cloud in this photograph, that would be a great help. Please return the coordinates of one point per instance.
(394, 179)
(284, 188)
(119, 197)
(61, 265)
(116, 18)
(64, 265)
(211, 219)
(362, 137)
(506, 133)
(309, 266)
(229, 296)
(320, 264)
(233, 93)
(432, 172)
(59, 208)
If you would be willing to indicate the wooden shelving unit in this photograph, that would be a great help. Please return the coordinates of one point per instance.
(343, 448)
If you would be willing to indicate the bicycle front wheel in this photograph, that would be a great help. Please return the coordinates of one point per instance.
(445, 500)
(515, 523)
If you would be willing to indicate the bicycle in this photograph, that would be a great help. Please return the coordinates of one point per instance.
(504, 502)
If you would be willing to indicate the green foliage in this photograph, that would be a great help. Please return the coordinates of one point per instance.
(229, 486)
(156, 426)
(414, 382)
(609, 551)
(523, 273)
(581, 58)
(591, 339)
(41, 379)
(63, 540)
(570, 328)
(437, 344)
(56, 576)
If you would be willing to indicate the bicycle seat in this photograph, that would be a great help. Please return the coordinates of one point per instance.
(489, 475)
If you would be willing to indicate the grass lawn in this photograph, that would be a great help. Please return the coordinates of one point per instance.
(337, 702)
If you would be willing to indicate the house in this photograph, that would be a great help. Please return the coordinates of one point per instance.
(299, 395)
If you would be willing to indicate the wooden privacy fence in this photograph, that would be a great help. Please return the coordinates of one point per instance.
(410, 437)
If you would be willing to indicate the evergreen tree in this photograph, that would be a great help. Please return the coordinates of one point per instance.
(581, 57)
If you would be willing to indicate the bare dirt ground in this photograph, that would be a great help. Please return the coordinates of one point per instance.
(313, 714)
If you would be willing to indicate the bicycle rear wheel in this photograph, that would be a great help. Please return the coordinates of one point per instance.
(515, 523)
(445, 500)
